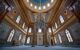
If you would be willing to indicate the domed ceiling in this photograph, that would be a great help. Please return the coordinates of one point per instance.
(40, 1)
(39, 5)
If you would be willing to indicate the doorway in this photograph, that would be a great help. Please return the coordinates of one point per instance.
(39, 39)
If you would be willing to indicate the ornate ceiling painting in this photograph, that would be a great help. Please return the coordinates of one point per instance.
(39, 5)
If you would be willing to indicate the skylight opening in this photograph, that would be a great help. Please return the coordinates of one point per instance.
(40, 8)
(44, 7)
(48, 4)
(35, 7)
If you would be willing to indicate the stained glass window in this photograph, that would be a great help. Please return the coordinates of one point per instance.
(18, 19)
(61, 19)
(60, 38)
(11, 35)
(68, 36)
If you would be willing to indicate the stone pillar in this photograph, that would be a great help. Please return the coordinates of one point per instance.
(45, 36)
(34, 36)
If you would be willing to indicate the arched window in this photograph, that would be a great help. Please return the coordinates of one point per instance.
(27, 0)
(55, 40)
(39, 30)
(49, 30)
(23, 25)
(53, 29)
(28, 40)
(26, 29)
(56, 25)
(68, 36)
(18, 19)
(61, 19)
(24, 38)
(60, 38)
(20, 37)
(11, 35)
(30, 29)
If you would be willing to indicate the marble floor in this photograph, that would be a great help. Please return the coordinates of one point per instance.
(38, 48)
